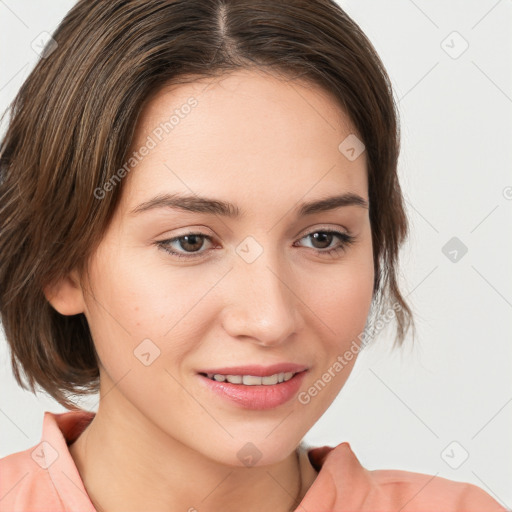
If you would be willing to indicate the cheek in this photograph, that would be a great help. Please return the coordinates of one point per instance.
(136, 300)
(340, 310)
(346, 301)
(342, 296)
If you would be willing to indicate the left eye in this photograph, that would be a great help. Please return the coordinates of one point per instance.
(190, 244)
(324, 238)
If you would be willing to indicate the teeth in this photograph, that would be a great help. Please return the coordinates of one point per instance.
(271, 379)
(252, 380)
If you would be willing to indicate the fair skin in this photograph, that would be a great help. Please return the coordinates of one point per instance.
(160, 440)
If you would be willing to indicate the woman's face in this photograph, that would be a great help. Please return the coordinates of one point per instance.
(261, 283)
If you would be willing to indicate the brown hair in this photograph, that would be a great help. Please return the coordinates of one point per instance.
(72, 123)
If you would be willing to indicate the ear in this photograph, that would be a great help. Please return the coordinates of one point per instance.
(66, 295)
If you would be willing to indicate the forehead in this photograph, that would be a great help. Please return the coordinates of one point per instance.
(247, 132)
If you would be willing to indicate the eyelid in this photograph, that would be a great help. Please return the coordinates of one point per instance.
(324, 227)
(198, 229)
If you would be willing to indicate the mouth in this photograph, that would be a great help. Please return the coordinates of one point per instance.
(254, 387)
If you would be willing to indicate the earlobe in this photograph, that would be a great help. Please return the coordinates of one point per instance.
(66, 295)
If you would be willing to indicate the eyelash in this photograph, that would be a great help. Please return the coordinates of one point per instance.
(345, 241)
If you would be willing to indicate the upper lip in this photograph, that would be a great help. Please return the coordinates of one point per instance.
(257, 370)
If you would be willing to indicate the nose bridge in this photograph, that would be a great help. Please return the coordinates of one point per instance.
(264, 304)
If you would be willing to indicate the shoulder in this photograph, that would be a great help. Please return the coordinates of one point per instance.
(23, 477)
(421, 492)
(44, 477)
(389, 490)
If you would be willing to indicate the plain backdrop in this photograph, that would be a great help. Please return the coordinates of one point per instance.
(443, 407)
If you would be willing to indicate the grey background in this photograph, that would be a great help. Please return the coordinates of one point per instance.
(421, 409)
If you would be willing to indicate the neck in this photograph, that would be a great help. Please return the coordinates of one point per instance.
(134, 465)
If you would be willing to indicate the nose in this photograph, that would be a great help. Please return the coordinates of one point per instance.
(261, 305)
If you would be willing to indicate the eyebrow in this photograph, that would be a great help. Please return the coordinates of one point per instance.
(196, 204)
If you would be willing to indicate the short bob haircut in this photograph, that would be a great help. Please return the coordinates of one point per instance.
(72, 124)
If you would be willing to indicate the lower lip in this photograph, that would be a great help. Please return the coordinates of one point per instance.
(257, 397)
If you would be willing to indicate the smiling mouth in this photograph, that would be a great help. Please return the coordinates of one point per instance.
(251, 380)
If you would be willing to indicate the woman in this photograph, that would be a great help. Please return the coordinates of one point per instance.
(200, 217)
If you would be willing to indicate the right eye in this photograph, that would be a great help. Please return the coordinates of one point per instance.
(190, 243)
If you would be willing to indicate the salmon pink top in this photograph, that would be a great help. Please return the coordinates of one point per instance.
(44, 478)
